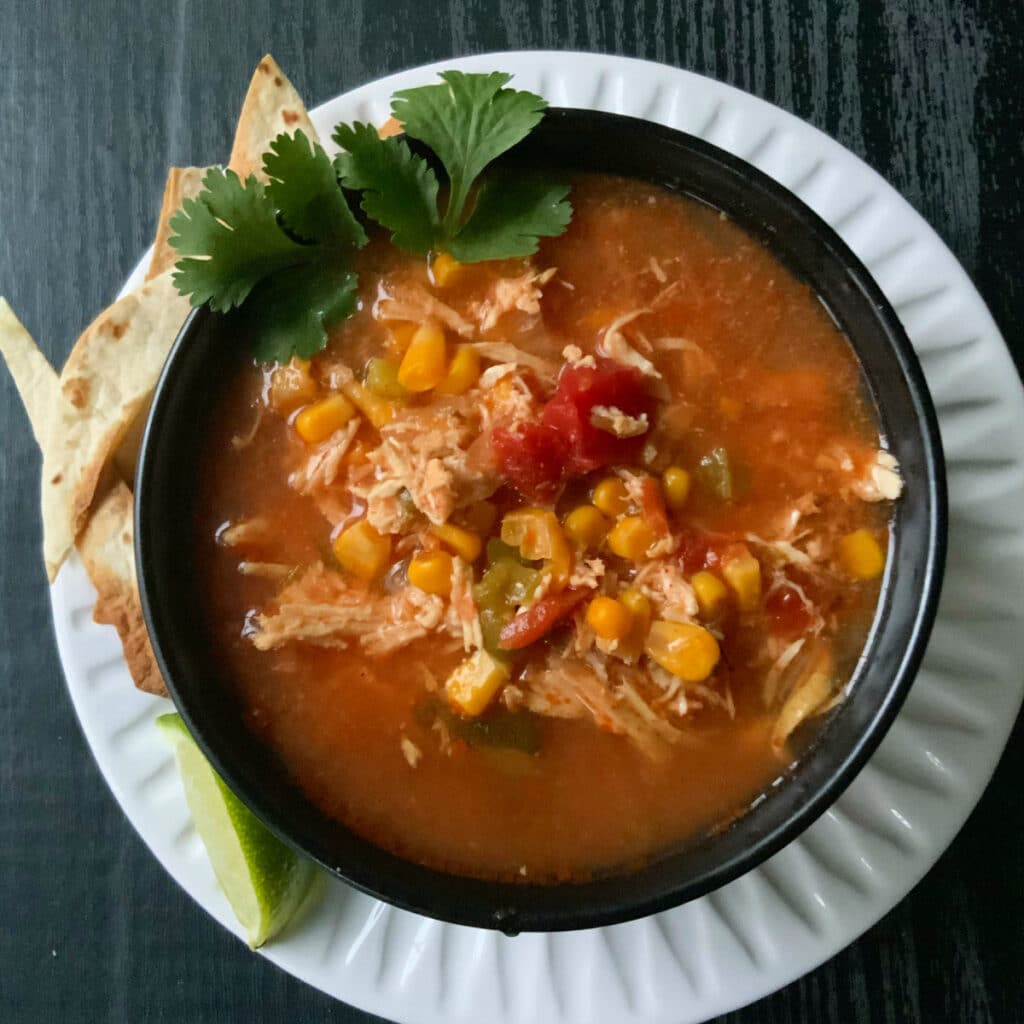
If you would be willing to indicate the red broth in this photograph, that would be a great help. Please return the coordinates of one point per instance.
(754, 374)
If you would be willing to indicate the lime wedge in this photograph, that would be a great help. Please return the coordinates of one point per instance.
(264, 880)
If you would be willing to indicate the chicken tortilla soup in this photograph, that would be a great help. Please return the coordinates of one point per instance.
(546, 566)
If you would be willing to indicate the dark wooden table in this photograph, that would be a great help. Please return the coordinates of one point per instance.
(96, 99)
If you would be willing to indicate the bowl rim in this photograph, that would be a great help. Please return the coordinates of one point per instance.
(513, 906)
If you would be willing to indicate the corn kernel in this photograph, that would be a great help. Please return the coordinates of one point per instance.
(400, 334)
(611, 496)
(474, 683)
(711, 593)
(382, 379)
(631, 537)
(362, 551)
(463, 372)
(377, 410)
(538, 535)
(675, 482)
(445, 269)
(423, 365)
(685, 649)
(318, 421)
(480, 517)
(465, 544)
(640, 609)
(431, 571)
(743, 574)
(637, 603)
(609, 619)
(291, 385)
(861, 555)
(586, 527)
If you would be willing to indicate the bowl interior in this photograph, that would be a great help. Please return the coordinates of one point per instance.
(570, 141)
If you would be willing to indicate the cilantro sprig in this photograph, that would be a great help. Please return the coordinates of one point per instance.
(283, 249)
(279, 256)
(468, 121)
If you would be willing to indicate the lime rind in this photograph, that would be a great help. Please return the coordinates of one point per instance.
(264, 880)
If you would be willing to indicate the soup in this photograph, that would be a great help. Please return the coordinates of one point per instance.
(544, 567)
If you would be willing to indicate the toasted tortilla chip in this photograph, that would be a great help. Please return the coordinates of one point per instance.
(271, 106)
(107, 549)
(392, 126)
(107, 382)
(182, 183)
(36, 380)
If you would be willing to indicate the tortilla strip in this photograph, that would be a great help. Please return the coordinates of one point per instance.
(106, 383)
(182, 183)
(107, 549)
(106, 545)
(271, 106)
(392, 126)
(36, 380)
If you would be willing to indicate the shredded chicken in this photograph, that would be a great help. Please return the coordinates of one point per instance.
(463, 606)
(662, 582)
(255, 530)
(335, 375)
(326, 609)
(612, 420)
(615, 346)
(512, 402)
(493, 374)
(808, 684)
(508, 294)
(411, 752)
(240, 441)
(697, 365)
(266, 570)
(571, 687)
(417, 305)
(323, 464)
(782, 551)
(880, 480)
(587, 573)
(426, 455)
(545, 370)
(574, 356)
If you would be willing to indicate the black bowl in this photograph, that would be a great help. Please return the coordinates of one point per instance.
(575, 141)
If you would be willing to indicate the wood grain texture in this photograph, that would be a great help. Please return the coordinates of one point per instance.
(97, 99)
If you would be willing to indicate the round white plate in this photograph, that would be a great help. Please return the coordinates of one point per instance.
(863, 855)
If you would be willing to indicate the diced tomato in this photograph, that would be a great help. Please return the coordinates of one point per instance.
(536, 458)
(694, 546)
(699, 549)
(539, 619)
(652, 506)
(579, 389)
(786, 611)
(532, 457)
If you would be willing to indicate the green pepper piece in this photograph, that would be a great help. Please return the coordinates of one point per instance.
(382, 379)
(715, 473)
(506, 583)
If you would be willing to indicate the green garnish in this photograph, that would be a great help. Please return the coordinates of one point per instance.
(468, 121)
(283, 249)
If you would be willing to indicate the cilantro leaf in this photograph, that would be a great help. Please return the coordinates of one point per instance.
(231, 240)
(291, 312)
(240, 247)
(304, 189)
(468, 121)
(399, 187)
(509, 218)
